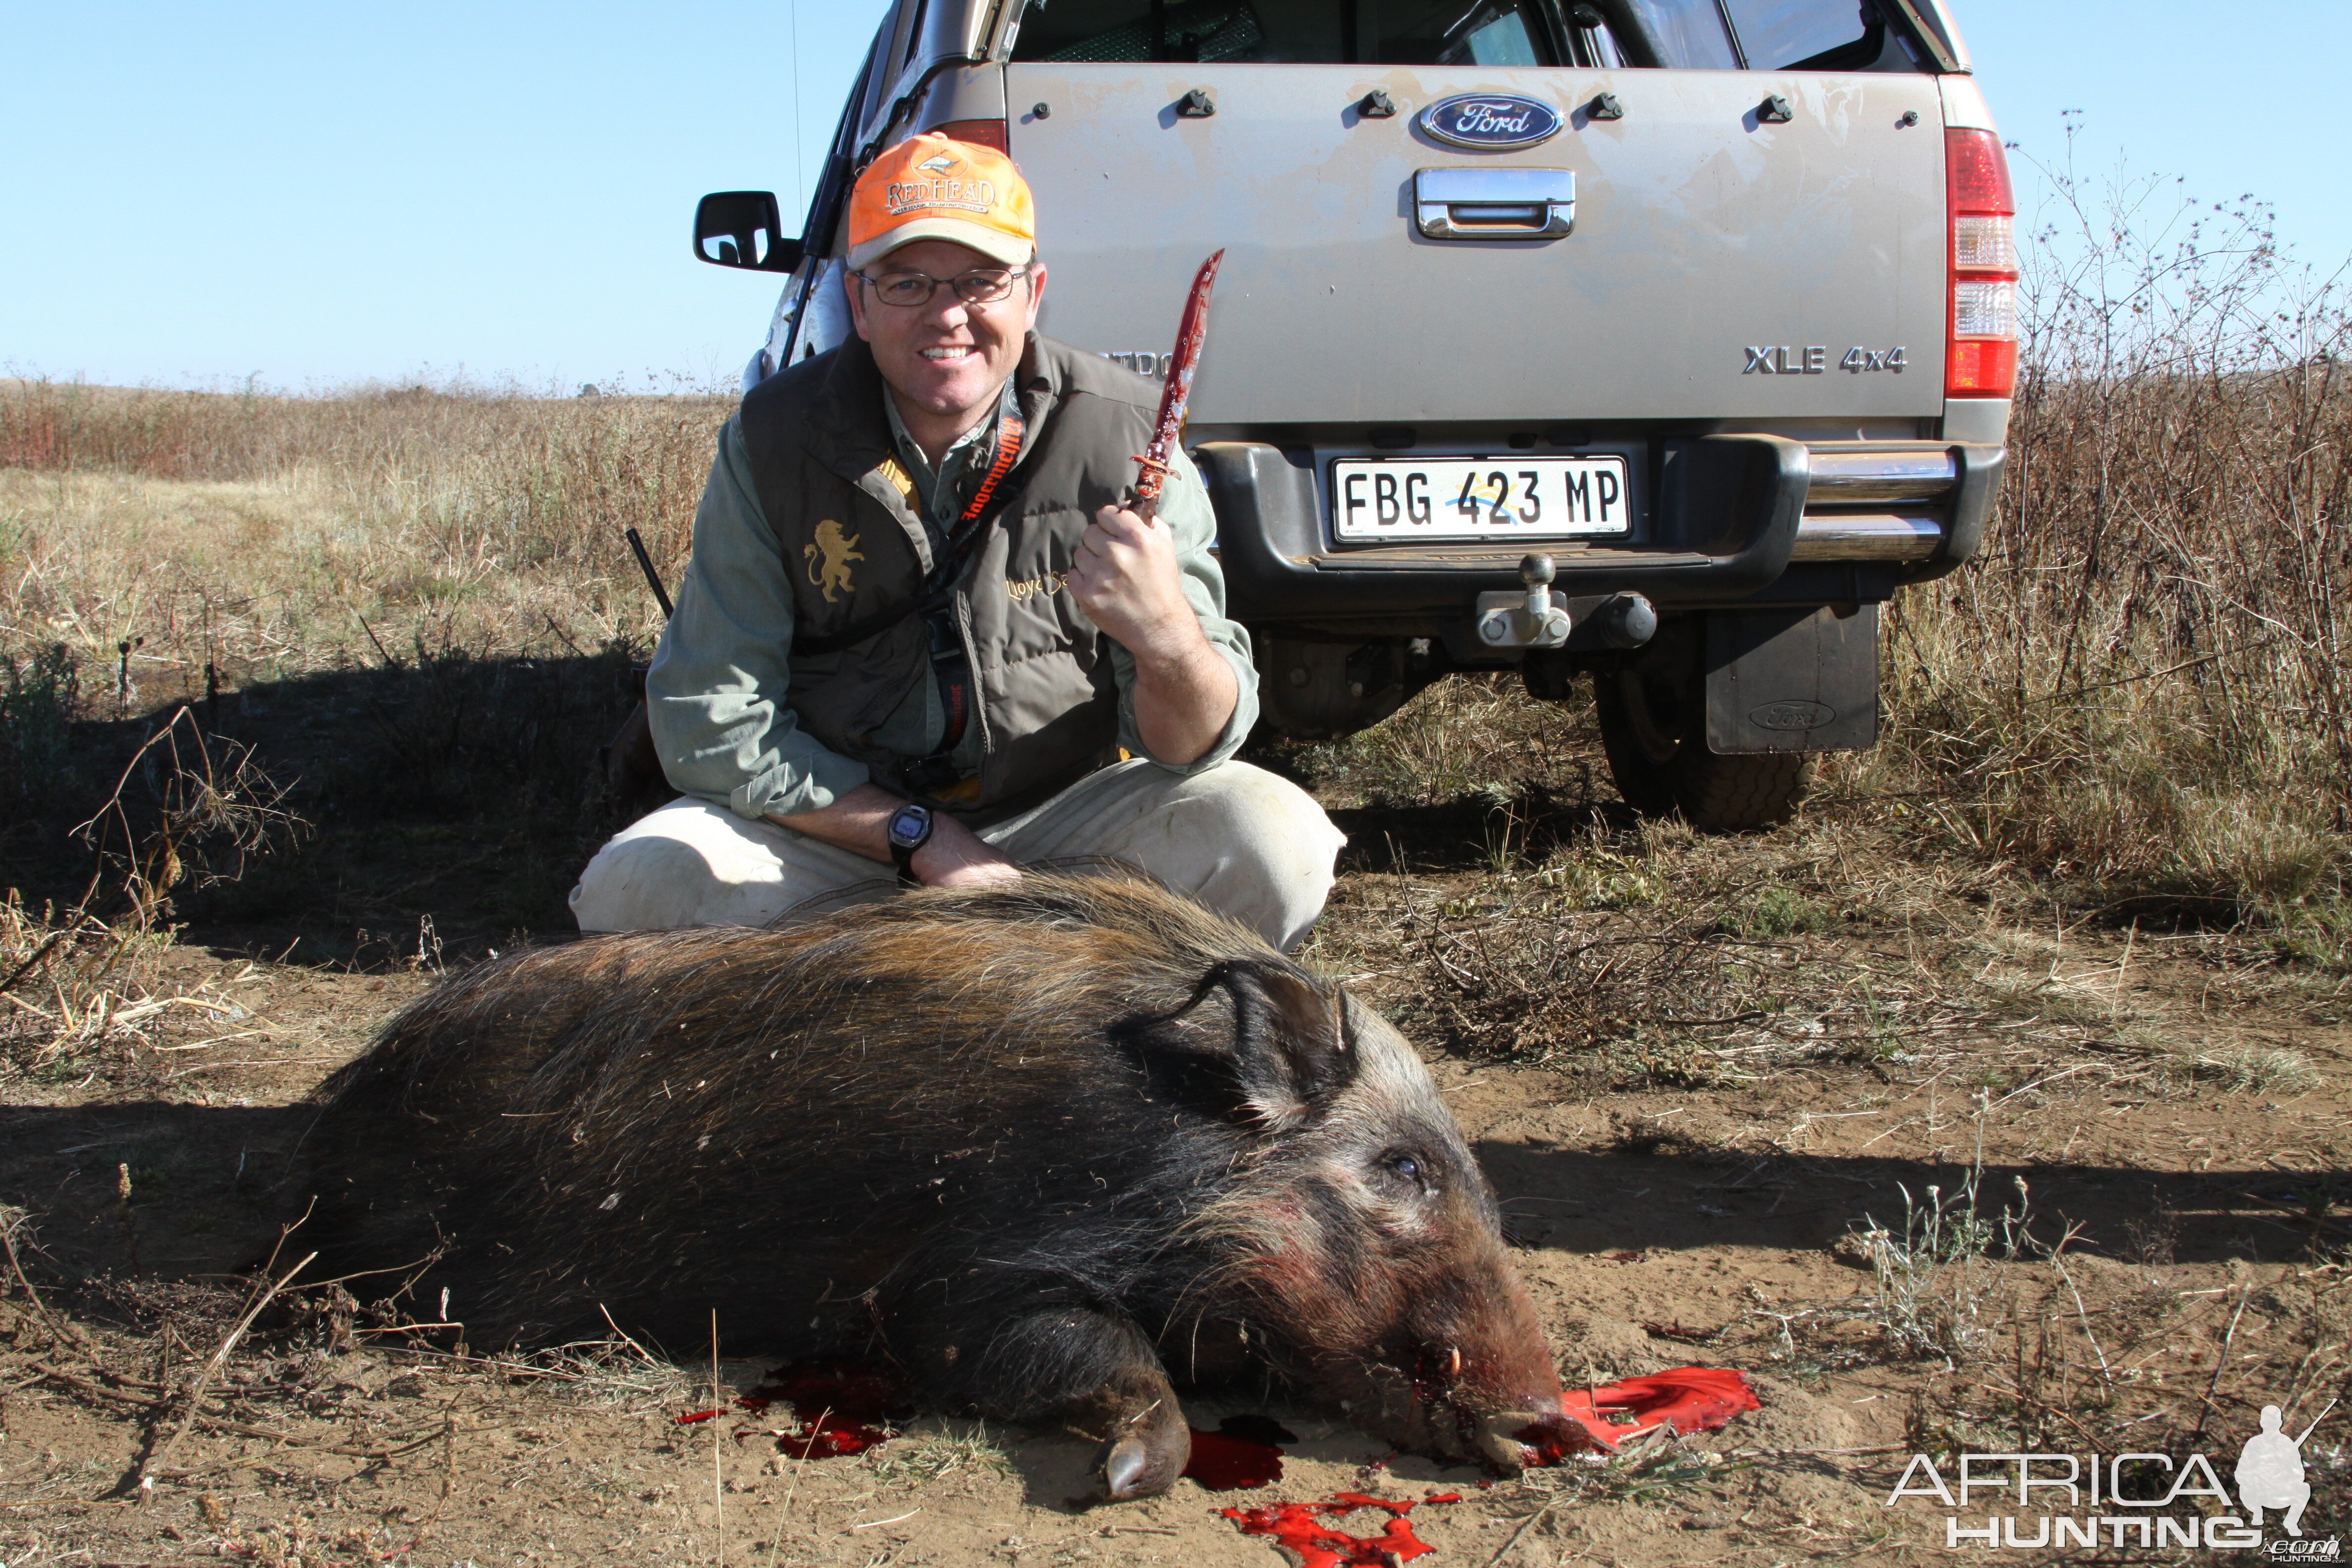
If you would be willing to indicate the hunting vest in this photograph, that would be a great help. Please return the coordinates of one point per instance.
(843, 509)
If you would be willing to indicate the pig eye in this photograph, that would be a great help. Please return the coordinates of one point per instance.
(1408, 1168)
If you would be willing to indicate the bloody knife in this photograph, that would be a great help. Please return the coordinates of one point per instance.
(1191, 333)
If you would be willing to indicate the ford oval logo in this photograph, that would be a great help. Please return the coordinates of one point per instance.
(1793, 715)
(1490, 120)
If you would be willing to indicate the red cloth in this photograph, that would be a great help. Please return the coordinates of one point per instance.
(1687, 1398)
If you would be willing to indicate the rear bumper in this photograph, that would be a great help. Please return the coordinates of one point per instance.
(1731, 517)
(1920, 504)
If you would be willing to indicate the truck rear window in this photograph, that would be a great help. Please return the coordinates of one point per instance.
(1297, 32)
(1690, 35)
(1761, 35)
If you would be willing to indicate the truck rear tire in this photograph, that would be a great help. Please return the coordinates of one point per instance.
(1654, 734)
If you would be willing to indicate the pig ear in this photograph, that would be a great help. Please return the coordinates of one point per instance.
(1283, 1051)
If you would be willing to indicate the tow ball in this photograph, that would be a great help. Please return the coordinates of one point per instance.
(1541, 618)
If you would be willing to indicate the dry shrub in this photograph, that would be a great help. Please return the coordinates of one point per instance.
(2140, 685)
(77, 986)
(189, 809)
(70, 987)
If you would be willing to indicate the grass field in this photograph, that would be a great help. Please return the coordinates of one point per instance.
(1999, 1102)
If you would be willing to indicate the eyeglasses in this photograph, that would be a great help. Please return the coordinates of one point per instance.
(981, 286)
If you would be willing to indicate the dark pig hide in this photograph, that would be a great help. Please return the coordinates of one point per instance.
(1051, 1150)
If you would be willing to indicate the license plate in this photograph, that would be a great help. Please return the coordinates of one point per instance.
(1386, 500)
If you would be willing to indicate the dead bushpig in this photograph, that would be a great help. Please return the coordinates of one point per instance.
(1045, 1148)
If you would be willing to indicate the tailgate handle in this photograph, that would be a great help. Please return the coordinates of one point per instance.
(1495, 203)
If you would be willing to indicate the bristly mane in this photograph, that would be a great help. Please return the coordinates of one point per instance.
(840, 1087)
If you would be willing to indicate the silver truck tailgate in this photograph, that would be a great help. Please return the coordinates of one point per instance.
(1702, 236)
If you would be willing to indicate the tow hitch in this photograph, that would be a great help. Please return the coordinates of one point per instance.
(1541, 618)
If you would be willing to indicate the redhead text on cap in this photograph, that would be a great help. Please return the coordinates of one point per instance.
(932, 187)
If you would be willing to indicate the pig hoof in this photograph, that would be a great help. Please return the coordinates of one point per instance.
(1131, 1469)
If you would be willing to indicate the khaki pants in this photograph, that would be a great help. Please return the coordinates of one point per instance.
(1236, 837)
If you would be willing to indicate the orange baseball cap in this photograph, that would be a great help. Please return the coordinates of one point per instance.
(933, 187)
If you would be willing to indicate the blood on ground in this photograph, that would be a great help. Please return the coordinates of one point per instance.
(1319, 1545)
(1225, 1464)
(1684, 1399)
(840, 1410)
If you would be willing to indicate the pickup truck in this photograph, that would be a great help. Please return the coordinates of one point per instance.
(1657, 341)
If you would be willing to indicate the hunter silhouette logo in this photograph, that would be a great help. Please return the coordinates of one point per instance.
(829, 558)
(2270, 1472)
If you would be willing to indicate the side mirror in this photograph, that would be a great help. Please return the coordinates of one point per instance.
(742, 228)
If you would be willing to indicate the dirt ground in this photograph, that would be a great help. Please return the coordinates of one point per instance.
(1940, 1165)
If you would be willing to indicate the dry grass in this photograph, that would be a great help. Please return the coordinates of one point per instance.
(1649, 957)
(268, 537)
(2140, 688)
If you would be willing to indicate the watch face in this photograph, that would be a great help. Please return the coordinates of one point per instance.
(908, 824)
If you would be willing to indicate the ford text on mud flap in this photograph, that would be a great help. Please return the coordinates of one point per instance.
(1745, 267)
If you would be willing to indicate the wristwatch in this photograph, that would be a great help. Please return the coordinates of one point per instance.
(909, 830)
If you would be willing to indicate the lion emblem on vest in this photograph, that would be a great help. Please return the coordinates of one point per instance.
(829, 558)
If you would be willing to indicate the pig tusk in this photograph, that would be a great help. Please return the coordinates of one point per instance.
(1453, 1363)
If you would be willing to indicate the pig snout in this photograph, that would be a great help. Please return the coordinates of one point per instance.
(1471, 1381)
(1482, 1387)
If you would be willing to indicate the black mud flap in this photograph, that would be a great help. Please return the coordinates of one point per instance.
(1794, 680)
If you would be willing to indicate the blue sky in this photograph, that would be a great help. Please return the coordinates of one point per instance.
(320, 194)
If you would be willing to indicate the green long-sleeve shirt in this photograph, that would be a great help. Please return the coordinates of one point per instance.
(718, 689)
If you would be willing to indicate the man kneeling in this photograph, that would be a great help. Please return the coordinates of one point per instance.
(919, 628)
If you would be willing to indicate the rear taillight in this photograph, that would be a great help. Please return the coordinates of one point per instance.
(1981, 359)
(978, 132)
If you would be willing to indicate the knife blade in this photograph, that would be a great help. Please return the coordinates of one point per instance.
(1192, 331)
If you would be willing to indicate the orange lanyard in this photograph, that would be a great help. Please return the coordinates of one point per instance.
(1008, 452)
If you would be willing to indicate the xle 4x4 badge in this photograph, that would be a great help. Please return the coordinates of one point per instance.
(1813, 359)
